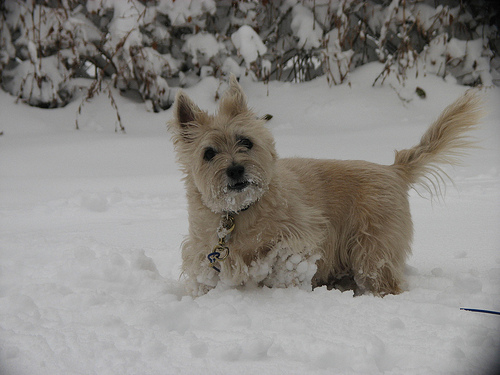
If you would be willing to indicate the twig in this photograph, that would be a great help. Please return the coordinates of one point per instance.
(113, 104)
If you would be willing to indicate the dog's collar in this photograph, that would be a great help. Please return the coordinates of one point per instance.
(234, 213)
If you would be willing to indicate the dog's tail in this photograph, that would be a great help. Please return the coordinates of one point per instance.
(443, 142)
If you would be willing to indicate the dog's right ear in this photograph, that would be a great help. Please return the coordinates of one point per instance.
(187, 117)
(185, 111)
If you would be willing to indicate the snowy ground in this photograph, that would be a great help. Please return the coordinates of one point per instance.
(91, 224)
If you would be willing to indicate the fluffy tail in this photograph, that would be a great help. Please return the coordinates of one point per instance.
(443, 142)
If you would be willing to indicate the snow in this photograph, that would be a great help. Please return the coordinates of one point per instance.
(231, 66)
(204, 44)
(124, 27)
(182, 12)
(338, 61)
(470, 59)
(306, 28)
(431, 19)
(39, 81)
(248, 44)
(91, 223)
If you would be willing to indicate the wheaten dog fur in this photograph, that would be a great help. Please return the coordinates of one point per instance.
(303, 222)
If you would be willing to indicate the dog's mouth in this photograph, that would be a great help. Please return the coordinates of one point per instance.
(238, 186)
(236, 195)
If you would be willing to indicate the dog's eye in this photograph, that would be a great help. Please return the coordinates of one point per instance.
(209, 154)
(245, 142)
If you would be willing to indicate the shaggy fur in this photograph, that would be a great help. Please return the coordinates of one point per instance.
(302, 222)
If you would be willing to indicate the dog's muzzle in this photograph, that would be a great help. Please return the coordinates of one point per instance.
(236, 175)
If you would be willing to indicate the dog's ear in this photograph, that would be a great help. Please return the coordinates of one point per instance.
(233, 101)
(185, 111)
(187, 116)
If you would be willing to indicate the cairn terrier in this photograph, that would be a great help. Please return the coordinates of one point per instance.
(256, 219)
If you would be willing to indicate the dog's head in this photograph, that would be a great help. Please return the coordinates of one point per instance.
(230, 156)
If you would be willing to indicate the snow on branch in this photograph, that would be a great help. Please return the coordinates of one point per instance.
(147, 48)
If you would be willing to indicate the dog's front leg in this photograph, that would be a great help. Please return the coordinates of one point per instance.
(199, 277)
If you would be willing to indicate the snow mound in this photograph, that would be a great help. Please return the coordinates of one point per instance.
(305, 27)
(202, 47)
(248, 44)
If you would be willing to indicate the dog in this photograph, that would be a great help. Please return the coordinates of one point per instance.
(257, 219)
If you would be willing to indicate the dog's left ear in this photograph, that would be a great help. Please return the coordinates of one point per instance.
(233, 101)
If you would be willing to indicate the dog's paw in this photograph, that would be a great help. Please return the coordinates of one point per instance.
(202, 283)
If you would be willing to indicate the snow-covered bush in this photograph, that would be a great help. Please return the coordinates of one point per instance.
(146, 48)
(40, 82)
(32, 39)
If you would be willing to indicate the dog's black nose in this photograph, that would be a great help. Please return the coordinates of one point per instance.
(235, 172)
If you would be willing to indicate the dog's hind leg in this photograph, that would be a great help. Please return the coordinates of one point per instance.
(374, 273)
(378, 256)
